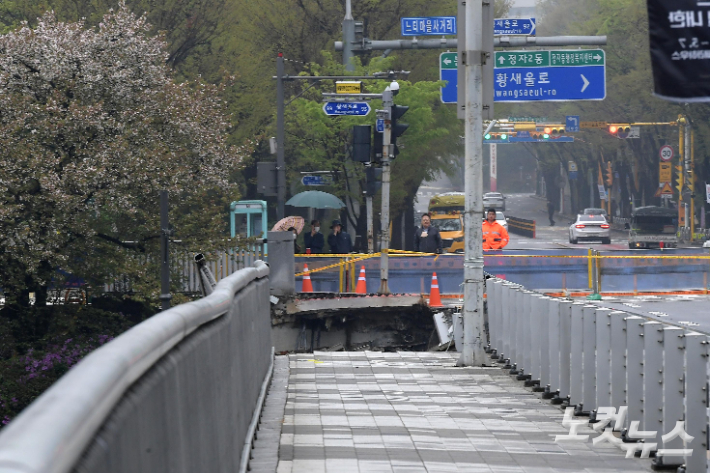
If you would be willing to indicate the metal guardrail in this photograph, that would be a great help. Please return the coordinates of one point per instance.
(605, 362)
(181, 386)
(222, 264)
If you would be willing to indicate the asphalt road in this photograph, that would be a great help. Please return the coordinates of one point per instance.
(550, 236)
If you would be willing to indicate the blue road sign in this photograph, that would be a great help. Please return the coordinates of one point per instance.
(448, 71)
(380, 125)
(514, 26)
(523, 134)
(572, 123)
(359, 109)
(550, 84)
(449, 92)
(429, 26)
(529, 139)
(317, 180)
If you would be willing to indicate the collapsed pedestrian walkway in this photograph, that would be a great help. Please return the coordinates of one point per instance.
(416, 412)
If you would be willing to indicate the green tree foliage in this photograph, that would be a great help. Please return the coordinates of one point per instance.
(316, 142)
(629, 99)
(93, 125)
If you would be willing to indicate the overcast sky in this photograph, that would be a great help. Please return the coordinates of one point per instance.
(524, 3)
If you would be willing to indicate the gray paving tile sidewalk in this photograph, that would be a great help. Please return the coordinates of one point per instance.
(416, 412)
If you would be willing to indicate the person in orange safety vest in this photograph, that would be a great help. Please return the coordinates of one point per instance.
(495, 237)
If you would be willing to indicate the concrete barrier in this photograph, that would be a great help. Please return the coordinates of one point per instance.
(175, 393)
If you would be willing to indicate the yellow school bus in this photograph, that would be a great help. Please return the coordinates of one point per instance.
(446, 212)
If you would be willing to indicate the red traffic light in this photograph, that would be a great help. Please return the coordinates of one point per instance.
(613, 129)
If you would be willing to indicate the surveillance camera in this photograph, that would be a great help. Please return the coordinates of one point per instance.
(394, 86)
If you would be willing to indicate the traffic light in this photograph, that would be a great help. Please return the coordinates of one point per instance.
(496, 137)
(361, 143)
(690, 182)
(540, 135)
(679, 179)
(609, 175)
(620, 130)
(554, 130)
(398, 129)
(373, 178)
(377, 144)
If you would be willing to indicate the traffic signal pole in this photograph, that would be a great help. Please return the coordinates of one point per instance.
(688, 177)
(473, 353)
(280, 137)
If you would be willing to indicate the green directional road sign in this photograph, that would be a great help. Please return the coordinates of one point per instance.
(554, 58)
(551, 76)
(449, 60)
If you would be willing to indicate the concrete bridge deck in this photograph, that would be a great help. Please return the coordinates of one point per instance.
(350, 412)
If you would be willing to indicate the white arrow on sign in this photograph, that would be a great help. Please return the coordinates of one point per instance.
(501, 60)
(597, 57)
(447, 61)
(586, 83)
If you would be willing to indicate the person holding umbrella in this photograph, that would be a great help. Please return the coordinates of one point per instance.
(314, 240)
(339, 240)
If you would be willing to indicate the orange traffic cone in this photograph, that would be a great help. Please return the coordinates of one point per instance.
(307, 286)
(361, 287)
(434, 296)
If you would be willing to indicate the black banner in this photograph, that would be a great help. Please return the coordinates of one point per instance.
(680, 49)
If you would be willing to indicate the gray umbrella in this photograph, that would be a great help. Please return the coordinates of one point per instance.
(316, 200)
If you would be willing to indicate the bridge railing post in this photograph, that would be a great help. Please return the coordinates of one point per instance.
(618, 358)
(603, 357)
(565, 317)
(653, 379)
(696, 396)
(549, 320)
(577, 353)
(589, 375)
(673, 390)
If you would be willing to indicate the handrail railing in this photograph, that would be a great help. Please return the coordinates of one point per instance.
(51, 434)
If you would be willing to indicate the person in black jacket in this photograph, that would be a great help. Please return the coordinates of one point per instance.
(314, 240)
(339, 240)
(427, 239)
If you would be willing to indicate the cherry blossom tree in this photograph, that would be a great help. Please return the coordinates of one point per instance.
(92, 125)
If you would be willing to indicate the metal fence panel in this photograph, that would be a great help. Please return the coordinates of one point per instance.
(577, 353)
(603, 357)
(618, 359)
(565, 348)
(589, 379)
(653, 379)
(696, 407)
(634, 368)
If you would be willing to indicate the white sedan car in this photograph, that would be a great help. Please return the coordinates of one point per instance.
(590, 227)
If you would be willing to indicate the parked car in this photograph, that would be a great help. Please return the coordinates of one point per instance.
(595, 211)
(494, 200)
(590, 227)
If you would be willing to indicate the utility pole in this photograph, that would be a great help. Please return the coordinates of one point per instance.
(473, 353)
(370, 230)
(686, 164)
(387, 154)
(280, 138)
(348, 36)
(164, 253)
